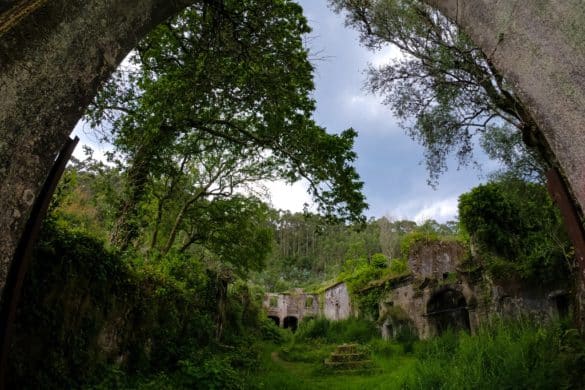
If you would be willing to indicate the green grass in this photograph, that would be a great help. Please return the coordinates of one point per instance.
(280, 374)
(502, 355)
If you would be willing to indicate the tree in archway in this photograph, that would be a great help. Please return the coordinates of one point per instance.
(444, 89)
(517, 231)
(233, 73)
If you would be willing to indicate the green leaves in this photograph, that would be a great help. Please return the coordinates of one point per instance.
(444, 90)
(518, 229)
(222, 93)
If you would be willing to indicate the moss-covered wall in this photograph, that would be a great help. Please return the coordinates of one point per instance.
(84, 310)
(438, 266)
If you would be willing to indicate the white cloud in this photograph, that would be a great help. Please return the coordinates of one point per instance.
(385, 55)
(288, 197)
(441, 211)
(367, 113)
(420, 210)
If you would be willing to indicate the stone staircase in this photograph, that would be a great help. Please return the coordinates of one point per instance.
(348, 358)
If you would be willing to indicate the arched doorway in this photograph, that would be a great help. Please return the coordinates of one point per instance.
(291, 323)
(275, 319)
(447, 309)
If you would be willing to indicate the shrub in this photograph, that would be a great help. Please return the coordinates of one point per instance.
(344, 331)
(517, 229)
(398, 266)
(271, 332)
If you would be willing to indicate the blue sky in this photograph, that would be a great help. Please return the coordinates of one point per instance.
(389, 162)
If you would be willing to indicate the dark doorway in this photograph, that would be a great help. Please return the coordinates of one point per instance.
(290, 323)
(275, 319)
(447, 309)
(563, 304)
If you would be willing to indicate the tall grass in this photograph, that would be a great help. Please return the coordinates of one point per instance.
(345, 331)
(502, 355)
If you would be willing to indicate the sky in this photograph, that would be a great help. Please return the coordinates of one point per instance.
(389, 162)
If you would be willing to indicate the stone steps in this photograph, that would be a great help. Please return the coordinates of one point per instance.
(348, 359)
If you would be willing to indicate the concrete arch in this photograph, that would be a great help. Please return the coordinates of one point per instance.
(539, 48)
(276, 320)
(447, 309)
(290, 322)
(54, 55)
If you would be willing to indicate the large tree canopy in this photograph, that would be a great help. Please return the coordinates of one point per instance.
(443, 88)
(232, 77)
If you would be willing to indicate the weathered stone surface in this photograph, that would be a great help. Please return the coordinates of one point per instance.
(434, 259)
(539, 47)
(410, 303)
(296, 304)
(336, 302)
(51, 64)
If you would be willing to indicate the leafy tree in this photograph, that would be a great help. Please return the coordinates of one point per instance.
(392, 233)
(86, 195)
(232, 75)
(444, 89)
(516, 230)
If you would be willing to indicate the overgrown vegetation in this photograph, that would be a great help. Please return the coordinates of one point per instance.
(151, 268)
(516, 355)
(517, 231)
(89, 316)
(503, 354)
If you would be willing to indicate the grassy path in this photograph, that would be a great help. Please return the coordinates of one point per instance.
(280, 374)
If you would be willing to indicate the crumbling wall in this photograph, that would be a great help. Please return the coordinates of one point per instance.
(430, 262)
(337, 302)
(434, 259)
(296, 304)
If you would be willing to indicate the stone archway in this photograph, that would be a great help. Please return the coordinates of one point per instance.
(290, 322)
(447, 309)
(54, 55)
(275, 319)
(539, 48)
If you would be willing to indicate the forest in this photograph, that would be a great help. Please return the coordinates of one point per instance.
(153, 263)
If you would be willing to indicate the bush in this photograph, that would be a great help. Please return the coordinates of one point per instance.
(271, 332)
(518, 230)
(213, 373)
(313, 329)
(344, 331)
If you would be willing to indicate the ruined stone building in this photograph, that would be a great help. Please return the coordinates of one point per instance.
(441, 291)
(288, 309)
